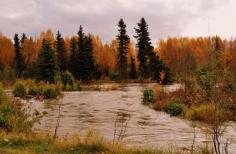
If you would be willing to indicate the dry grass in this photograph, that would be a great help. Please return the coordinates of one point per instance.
(92, 143)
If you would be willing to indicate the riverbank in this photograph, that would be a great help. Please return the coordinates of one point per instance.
(10, 85)
(36, 143)
(210, 105)
(98, 109)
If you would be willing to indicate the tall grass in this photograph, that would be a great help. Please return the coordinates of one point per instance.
(92, 143)
(13, 117)
(31, 88)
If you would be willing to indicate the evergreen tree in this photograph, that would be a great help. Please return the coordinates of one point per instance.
(150, 64)
(143, 46)
(74, 58)
(133, 72)
(168, 79)
(90, 59)
(47, 64)
(61, 52)
(123, 47)
(86, 65)
(82, 62)
(155, 66)
(23, 38)
(19, 60)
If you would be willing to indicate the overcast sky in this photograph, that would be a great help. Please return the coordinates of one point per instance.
(166, 18)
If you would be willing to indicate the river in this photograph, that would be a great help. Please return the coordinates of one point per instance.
(98, 110)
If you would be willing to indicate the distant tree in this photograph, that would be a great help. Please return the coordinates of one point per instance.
(150, 64)
(123, 48)
(61, 52)
(86, 64)
(19, 60)
(92, 69)
(217, 45)
(47, 65)
(83, 68)
(74, 58)
(168, 78)
(23, 38)
(144, 47)
(155, 66)
(133, 72)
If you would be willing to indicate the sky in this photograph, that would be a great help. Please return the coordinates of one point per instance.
(166, 18)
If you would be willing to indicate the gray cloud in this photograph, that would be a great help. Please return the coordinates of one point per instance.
(165, 17)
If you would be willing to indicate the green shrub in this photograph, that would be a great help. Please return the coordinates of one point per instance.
(50, 91)
(228, 81)
(19, 90)
(13, 117)
(3, 96)
(205, 80)
(68, 87)
(67, 79)
(148, 96)
(33, 90)
(208, 113)
(173, 108)
(77, 86)
(44, 89)
(114, 75)
(7, 74)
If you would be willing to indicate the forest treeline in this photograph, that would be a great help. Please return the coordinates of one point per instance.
(87, 58)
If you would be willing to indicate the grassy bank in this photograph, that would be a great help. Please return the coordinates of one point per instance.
(35, 143)
(206, 99)
(194, 106)
(17, 137)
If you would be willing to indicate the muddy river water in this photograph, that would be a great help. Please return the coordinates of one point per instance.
(98, 110)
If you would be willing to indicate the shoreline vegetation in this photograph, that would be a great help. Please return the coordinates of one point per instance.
(18, 137)
(206, 99)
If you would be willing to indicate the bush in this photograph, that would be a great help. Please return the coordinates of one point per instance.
(13, 117)
(67, 79)
(173, 108)
(33, 90)
(19, 90)
(77, 86)
(7, 74)
(51, 91)
(148, 96)
(3, 96)
(68, 87)
(44, 89)
(205, 80)
(208, 113)
(114, 75)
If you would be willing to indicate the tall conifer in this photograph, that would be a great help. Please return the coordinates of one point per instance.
(123, 47)
(19, 63)
(74, 58)
(61, 52)
(47, 64)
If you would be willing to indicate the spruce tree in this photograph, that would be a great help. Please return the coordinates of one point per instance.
(92, 69)
(143, 46)
(82, 63)
(19, 63)
(74, 58)
(155, 66)
(23, 38)
(61, 52)
(123, 47)
(47, 64)
(133, 72)
(150, 64)
(86, 64)
(168, 79)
